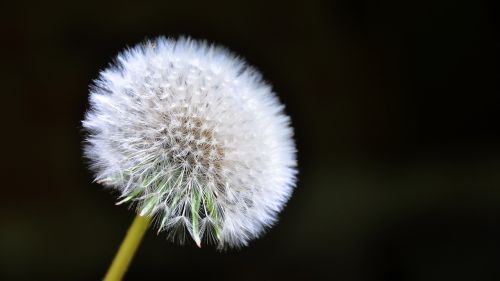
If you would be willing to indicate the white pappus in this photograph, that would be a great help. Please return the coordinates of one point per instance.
(192, 136)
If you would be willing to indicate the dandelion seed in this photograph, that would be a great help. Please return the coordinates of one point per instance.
(191, 136)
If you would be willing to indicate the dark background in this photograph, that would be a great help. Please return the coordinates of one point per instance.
(395, 106)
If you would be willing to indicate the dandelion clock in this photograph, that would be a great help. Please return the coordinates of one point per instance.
(194, 140)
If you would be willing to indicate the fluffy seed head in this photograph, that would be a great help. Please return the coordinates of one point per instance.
(194, 138)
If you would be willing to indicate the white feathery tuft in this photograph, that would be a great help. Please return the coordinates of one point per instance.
(193, 137)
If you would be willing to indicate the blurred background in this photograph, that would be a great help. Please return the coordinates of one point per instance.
(396, 110)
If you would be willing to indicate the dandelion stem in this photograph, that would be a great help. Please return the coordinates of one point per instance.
(128, 248)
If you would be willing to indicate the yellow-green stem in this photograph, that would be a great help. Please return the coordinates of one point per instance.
(128, 248)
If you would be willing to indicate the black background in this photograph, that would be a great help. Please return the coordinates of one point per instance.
(395, 105)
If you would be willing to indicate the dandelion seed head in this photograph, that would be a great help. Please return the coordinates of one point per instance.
(193, 137)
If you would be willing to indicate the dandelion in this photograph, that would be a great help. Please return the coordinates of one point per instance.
(193, 138)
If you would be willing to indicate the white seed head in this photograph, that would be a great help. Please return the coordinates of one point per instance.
(193, 137)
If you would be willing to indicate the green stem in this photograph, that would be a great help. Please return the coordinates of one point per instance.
(128, 248)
